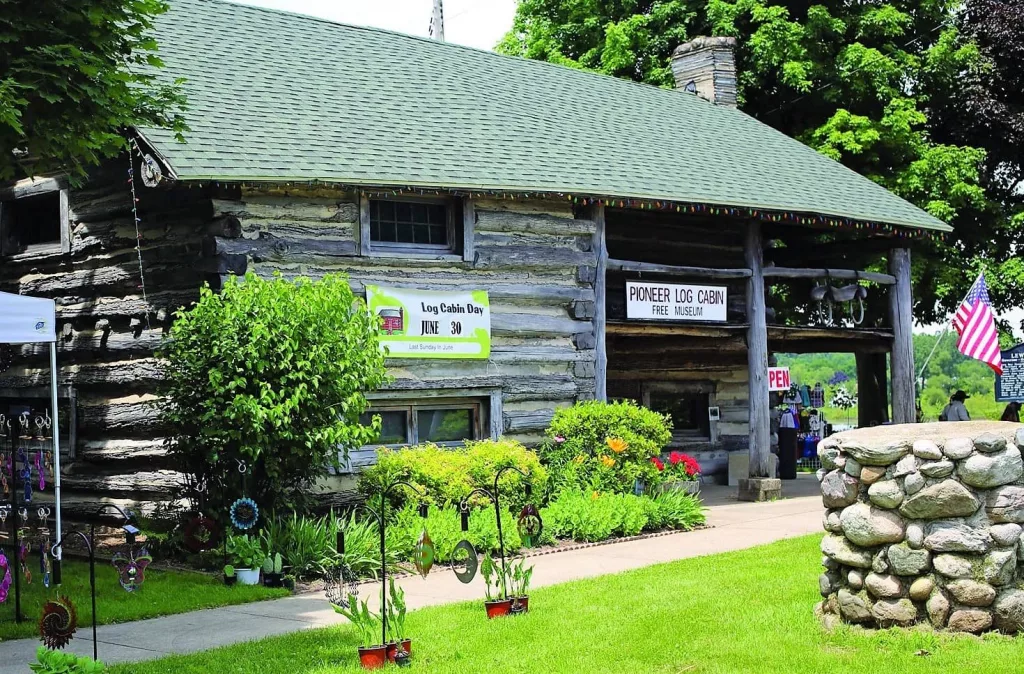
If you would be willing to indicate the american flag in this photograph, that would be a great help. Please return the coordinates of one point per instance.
(976, 325)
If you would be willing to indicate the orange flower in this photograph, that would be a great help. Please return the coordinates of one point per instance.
(617, 445)
(607, 461)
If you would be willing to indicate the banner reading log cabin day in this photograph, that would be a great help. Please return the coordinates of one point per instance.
(675, 302)
(432, 323)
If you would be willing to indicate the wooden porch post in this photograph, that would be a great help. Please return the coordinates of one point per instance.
(600, 306)
(872, 389)
(757, 356)
(901, 310)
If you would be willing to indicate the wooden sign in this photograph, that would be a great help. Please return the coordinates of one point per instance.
(1010, 385)
(675, 302)
(778, 379)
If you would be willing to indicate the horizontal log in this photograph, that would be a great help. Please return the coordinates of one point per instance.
(531, 223)
(666, 328)
(82, 342)
(131, 416)
(549, 207)
(114, 308)
(843, 274)
(120, 374)
(510, 293)
(150, 450)
(650, 268)
(518, 239)
(278, 249)
(497, 257)
(82, 507)
(299, 229)
(227, 226)
(222, 264)
(31, 186)
(533, 420)
(313, 209)
(533, 324)
(146, 482)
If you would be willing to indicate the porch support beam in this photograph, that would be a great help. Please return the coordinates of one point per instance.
(757, 355)
(600, 305)
(843, 274)
(901, 312)
(652, 268)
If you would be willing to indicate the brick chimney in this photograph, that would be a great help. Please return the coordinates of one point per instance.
(705, 66)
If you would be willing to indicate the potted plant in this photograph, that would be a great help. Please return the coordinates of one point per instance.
(399, 648)
(247, 555)
(273, 570)
(519, 585)
(229, 575)
(682, 473)
(288, 581)
(359, 614)
(496, 602)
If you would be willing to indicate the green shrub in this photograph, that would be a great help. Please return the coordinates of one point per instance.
(598, 516)
(678, 510)
(272, 373)
(445, 528)
(57, 662)
(604, 446)
(448, 475)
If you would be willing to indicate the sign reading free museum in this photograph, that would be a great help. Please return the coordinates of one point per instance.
(674, 302)
(432, 323)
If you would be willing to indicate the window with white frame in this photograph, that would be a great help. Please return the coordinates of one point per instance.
(34, 218)
(418, 226)
(446, 421)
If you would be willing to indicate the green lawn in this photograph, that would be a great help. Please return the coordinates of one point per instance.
(164, 593)
(748, 611)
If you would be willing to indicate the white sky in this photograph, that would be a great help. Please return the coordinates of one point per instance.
(475, 23)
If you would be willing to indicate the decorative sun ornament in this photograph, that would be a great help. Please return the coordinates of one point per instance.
(244, 513)
(59, 622)
(423, 554)
(131, 568)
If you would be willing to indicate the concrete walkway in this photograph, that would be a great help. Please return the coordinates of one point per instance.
(735, 526)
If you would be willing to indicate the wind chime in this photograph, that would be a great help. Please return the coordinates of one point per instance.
(244, 512)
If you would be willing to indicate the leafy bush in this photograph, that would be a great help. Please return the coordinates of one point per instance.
(57, 662)
(604, 446)
(598, 516)
(310, 544)
(246, 552)
(272, 373)
(445, 528)
(448, 475)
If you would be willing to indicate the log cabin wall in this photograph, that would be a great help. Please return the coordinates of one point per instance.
(113, 448)
(534, 258)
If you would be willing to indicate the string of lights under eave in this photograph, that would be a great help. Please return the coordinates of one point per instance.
(133, 145)
(764, 215)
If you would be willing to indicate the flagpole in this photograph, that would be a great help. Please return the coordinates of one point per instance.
(949, 322)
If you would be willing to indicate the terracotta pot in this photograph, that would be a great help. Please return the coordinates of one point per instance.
(498, 608)
(393, 649)
(373, 657)
(523, 602)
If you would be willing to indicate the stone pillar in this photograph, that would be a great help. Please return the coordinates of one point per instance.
(901, 313)
(706, 67)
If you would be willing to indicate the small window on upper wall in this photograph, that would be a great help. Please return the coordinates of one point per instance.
(414, 226)
(34, 219)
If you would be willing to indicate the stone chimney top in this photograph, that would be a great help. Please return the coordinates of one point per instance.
(705, 66)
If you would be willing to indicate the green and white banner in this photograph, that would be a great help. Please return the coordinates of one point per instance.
(432, 323)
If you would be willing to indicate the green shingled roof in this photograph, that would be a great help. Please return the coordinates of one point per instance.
(275, 96)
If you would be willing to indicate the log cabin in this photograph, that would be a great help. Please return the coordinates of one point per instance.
(634, 242)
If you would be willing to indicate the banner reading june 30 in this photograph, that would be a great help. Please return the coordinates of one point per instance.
(431, 323)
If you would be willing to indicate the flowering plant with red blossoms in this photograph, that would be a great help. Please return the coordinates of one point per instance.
(658, 463)
(683, 466)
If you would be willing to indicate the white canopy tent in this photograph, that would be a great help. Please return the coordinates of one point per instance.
(31, 320)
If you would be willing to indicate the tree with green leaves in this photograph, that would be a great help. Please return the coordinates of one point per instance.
(859, 82)
(272, 373)
(73, 77)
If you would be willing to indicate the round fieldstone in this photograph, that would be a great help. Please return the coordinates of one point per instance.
(958, 448)
(843, 552)
(971, 592)
(921, 588)
(937, 469)
(828, 450)
(894, 612)
(832, 522)
(986, 471)
(820, 474)
(866, 525)
(838, 490)
(970, 620)
(948, 498)
(829, 563)
(906, 466)
(1008, 611)
(913, 483)
(915, 535)
(955, 566)
(879, 564)
(855, 579)
(907, 562)
(886, 494)
(927, 450)
(852, 467)
(938, 609)
(872, 474)
(880, 454)
(828, 583)
(999, 567)
(1005, 534)
(1006, 504)
(989, 443)
(956, 537)
(883, 586)
(854, 608)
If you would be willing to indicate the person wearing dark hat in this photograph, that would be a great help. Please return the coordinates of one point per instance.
(955, 410)
(1011, 413)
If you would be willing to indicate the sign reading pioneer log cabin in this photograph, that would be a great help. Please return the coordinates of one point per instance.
(1010, 385)
(432, 323)
(778, 379)
(675, 302)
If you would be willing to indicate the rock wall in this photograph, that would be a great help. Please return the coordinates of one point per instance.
(924, 526)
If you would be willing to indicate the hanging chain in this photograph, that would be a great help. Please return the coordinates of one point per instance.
(133, 145)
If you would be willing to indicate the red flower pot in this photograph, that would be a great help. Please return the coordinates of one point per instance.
(498, 608)
(373, 657)
(393, 649)
(523, 602)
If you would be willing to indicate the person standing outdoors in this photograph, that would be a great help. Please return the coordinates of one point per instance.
(1011, 412)
(955, 410)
